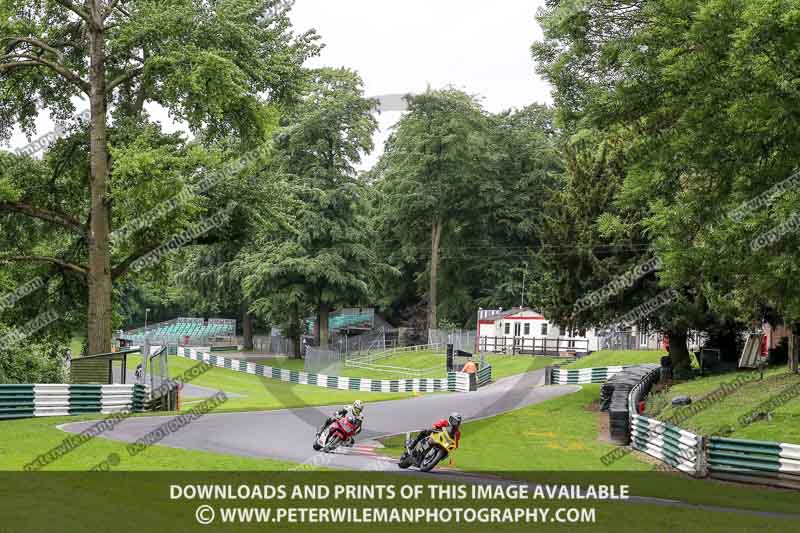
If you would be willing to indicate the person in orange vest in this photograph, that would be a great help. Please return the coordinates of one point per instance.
(470, 367)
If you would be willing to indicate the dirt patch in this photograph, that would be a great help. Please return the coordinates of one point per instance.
(593, 407)
(603, 427)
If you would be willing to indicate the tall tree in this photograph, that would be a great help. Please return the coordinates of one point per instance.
(429, 176)
(214, 66)
(325, 259)
(702, 98)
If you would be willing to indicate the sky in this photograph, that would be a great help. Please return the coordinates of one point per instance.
(404, 47)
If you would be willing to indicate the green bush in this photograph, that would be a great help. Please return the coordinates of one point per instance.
(34, 362)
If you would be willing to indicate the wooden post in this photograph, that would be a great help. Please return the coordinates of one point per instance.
(793, 352)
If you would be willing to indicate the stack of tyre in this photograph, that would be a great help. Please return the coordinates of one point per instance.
(614, 399)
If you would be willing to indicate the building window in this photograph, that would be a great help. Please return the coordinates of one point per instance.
(508, 328)
(544, 329)
(527, 330)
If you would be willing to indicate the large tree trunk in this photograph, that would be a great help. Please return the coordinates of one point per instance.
(99, 276)
(296, 332)
(247, 328)
(433, 296)
(679, 354)
(322, 321)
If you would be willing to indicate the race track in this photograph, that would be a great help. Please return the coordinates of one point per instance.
(288, 434)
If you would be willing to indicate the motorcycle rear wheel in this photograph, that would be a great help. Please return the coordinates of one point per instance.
(405, 461)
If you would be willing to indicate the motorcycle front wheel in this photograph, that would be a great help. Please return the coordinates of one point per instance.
(432, 458)
(332, 443)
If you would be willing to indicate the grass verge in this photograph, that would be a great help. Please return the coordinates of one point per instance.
(24, 440)
(502, 365)
(260, 393)
(777, 398)
(617, 358)
(559, 438)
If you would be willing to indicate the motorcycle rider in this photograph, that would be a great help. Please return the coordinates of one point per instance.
(452, 424)
(355, 410)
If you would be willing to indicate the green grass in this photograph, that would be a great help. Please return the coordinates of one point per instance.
(433, 363)
(502, 365)
(618, 358)
(559, 434)
(265, 393)
(75, 345)
(509, 365)
(722, 416)
(24, 440)
(558, 440)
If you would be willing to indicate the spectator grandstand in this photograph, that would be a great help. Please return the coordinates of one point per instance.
(180, 330)
(354, 320)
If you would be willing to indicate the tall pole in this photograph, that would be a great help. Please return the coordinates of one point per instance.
(522, 296)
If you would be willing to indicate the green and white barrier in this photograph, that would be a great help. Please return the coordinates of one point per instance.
(458, 382)
(670, 444)
(452, 383)
(26, 401)
(769, 463)
(578, 376)
(484, 376)
(760, 462)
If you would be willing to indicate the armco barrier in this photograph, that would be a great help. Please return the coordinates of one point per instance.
(760, 462)
(25, 401)
(642, 389)
(578, 376)
(672, 445)
(768, 463)
(454, 382)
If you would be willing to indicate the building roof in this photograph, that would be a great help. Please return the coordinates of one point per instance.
(510, 312)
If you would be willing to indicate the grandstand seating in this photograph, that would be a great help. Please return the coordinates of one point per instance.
(190, 330)
(348, 320)
(180, 328)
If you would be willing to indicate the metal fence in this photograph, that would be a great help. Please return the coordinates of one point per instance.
(271, 344)
(534, 346)
(372, 357)
(461, 339)
(379, 340)
(321, 361)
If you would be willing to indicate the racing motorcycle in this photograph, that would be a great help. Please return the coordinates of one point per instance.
(428, 452)
(340, 430)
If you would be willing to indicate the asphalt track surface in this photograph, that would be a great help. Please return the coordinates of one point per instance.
(288, 434)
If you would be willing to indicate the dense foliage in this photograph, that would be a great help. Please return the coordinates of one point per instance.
(669, 118)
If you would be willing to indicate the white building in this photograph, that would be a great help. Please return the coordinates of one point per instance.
(523, 330)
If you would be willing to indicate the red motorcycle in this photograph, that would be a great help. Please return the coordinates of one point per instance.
(341, 430)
